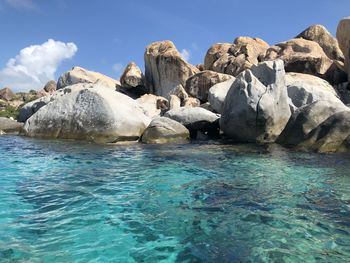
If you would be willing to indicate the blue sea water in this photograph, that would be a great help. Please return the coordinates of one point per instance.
(65, 201)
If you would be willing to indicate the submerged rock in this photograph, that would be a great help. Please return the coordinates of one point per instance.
(165, 68)
(333, 135)
(256, 107)
(89, 112)
(195, 119)
(8, 126)
(164, 130)
(307, 118)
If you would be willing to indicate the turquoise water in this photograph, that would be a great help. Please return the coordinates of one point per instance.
(63, 201)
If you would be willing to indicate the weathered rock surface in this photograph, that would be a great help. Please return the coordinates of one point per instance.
(343, 37)
(304, 89)
(199, 84)
(305, 56)
(32, 107)
(191, 102)
(307, 118)
(164, 130)
(9, 126)
(324, 38)
(133, 80)
(333, 135)
(165, 68)
(89, 112)
(234, 58)
(6, 94)
(195, 119)
(174, 102)
(217, 94)
(50, 86)
(153, 105)
(80, 75)
(256, 106)
(343, 90)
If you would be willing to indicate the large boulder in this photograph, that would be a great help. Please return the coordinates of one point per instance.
(324, 38)
(332, 135)
(164, 130)
(217, 94)
(133, 80)
(32, 107)
(165, 68)
(307, 118)
(50, 86)
(304, 89)
(199, 84)
(343, 37)
(153, 105)
(6, 94)
(80, 75)
(89, 112)
(256, 108)
(305, 56)
(9, 126)
(195, 119)
(235, 58)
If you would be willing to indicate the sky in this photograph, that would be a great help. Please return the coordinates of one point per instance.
(41, 39)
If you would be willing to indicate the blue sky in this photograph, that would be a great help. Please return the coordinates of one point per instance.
(108, 34)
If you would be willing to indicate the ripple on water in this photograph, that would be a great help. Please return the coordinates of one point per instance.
(64, 201)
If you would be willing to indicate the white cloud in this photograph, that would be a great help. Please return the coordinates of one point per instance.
(35, 65)
(186, 54)
(22, 4)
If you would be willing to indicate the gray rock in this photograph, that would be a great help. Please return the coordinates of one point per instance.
(333, 135)
(89, 112)
(199, 84)
(80, 75)
(307, 118)
(217, 94)
(304, 89)
(195, 119)
(256, 107)
(8, 126)
(164, 130)
(165, 68)
(343, 89)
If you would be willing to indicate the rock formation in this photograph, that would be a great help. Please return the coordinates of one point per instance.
(165, 68)
(256, 107)
(164, 130)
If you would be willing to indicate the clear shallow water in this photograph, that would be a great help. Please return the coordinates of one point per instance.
(74, 202)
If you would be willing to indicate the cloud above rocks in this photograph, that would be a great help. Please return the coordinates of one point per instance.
(35, 65)
(186, 54)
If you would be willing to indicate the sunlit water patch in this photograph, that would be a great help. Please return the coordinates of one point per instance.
(63, 201)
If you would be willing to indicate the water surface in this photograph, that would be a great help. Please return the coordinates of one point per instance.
(64, 201)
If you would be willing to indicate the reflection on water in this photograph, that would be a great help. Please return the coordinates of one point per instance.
(66, 201)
